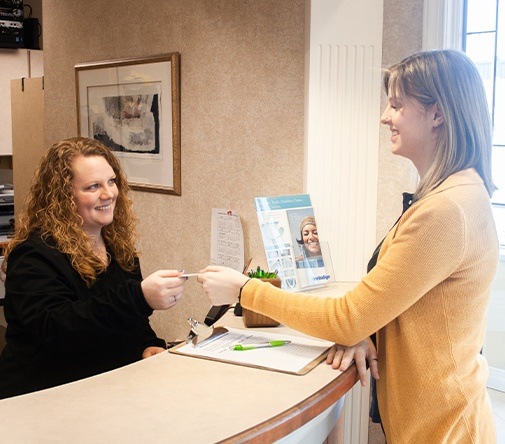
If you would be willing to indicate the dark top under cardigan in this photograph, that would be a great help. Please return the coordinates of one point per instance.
(59, 330)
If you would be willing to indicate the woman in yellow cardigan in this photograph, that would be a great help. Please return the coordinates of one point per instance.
(427, 295)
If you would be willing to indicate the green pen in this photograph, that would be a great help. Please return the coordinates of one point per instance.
(274, 343)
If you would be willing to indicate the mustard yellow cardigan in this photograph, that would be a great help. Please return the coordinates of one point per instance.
(426, 298)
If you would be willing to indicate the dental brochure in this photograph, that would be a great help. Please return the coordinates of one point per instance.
(291, 241)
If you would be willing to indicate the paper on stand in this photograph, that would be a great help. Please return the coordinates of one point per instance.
(227, 239)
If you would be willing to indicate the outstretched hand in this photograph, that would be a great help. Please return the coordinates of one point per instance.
(341, 357)
(222, 284)
(163, 288)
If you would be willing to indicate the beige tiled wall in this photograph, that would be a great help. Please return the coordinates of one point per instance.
(242, 98)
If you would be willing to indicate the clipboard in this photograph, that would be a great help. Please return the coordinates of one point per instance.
(297, 358)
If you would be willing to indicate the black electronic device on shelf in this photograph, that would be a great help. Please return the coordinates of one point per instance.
(6, 209)
(11, 24)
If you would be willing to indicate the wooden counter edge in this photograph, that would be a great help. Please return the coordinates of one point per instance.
(300, 414)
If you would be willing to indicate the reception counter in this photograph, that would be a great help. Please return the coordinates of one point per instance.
(179, 399)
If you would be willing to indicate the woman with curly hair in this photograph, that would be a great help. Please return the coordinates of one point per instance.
(75, 303)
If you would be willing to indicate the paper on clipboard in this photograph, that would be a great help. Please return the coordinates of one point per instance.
(298, 357)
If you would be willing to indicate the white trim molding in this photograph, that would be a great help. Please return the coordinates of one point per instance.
(342, 120)
(496, 379)
(343, 92)
(443, 24)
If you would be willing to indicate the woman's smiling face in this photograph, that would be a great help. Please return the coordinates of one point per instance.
(311, 239)
(413, 130)
(95, 192)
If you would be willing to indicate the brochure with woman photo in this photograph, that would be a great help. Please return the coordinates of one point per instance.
(291, 241)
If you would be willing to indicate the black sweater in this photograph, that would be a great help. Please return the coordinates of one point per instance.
(59, 330)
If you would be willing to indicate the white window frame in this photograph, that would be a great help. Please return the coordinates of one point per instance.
(443, 24)
(443, 28)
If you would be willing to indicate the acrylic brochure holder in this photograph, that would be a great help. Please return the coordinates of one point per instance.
(315, 271)
(292, 246)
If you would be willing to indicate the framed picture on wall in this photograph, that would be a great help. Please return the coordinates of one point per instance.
(133, 106)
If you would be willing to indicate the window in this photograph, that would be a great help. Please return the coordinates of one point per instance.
(484, 42)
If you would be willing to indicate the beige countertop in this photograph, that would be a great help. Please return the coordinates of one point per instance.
(175, 398)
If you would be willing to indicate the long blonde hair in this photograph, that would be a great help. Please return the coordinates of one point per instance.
(451, 80)
(51, 213)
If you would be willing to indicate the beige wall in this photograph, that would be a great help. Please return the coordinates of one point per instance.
(402, 36)
(242, 97)
(242, 89)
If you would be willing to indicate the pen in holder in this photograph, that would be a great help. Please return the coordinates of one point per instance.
(253, 319)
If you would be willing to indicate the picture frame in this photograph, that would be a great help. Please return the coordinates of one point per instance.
(133, 106)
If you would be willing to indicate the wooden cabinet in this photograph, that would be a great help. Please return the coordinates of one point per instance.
(27, 134)
(14, 64)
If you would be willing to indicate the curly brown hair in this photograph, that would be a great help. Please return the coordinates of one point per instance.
(50, 211)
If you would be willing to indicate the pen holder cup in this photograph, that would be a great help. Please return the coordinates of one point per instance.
(253, 319)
